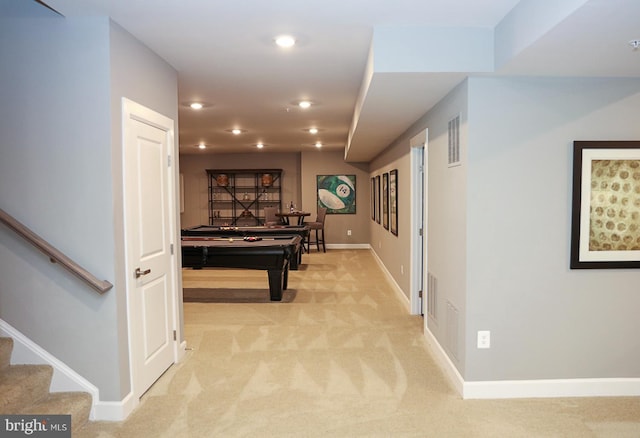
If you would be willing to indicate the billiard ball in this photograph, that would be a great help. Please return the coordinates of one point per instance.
(336, 192)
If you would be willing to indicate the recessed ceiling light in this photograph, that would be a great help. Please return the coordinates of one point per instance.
(236, 131)
(304, 104)
(201, 146)
(285, 41)
(313, 131)
(196, 105)
(318, 145)
(635, 44)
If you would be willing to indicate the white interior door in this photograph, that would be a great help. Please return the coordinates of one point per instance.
(425, 234)
(418, 228)
(148, 139)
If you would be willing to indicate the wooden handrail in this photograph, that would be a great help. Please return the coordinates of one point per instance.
(55, 255)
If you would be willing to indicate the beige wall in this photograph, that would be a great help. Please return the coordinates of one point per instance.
(195, 187)
(298, 185)
(395, 251)
(336, 225)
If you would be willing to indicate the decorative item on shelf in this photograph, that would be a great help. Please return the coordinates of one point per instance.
(246, 213)
(267, 180)
(222, 180)
(245, 197)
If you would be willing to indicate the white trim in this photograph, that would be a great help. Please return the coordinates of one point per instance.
(443, 361)
(543, 388)
(347, 246)
(116, 410)
(394, 285)
(134, 111)
(64, 379)
(418, 220)
(615, 387)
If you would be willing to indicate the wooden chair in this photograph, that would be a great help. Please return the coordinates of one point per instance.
(318, 226)
(270, 217)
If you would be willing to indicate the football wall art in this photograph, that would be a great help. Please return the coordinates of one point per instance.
(337, 193)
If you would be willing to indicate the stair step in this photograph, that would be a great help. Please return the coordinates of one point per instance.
(23, 385)
(6, 347)
(76, 404)
(24, 389)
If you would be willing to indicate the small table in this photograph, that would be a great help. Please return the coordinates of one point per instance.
(299, 214)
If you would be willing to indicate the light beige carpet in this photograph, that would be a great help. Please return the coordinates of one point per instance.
(238, 296)
(342, 359)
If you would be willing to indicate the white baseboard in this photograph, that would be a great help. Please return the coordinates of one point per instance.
(443, 361)
(552, 388)
(116, 410)
(396, 287)
(347, 246)
(64, 379)
(542, 388)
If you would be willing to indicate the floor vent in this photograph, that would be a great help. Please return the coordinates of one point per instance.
(454, 141)
(432, 296)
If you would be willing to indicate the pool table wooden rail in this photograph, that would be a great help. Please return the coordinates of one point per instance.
(259, 231)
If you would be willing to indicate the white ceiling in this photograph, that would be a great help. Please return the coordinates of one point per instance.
(225, 56)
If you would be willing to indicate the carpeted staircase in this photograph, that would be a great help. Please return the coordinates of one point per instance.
(24, 389)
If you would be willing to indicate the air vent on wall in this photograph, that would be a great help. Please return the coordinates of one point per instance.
(454, 141)
(452, 330)
(432, 296)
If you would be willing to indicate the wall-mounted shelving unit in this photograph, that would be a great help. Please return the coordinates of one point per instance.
(237, 197)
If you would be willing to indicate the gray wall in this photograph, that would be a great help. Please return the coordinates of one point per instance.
(445, 223)
(140, 75)
(499, 230)
(60, 175)
(546, 320)
(395, 251)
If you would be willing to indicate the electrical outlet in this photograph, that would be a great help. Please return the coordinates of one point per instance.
(484, 339)
(348, 232)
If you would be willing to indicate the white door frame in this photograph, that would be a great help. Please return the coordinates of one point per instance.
(134, 111)
(418, 222)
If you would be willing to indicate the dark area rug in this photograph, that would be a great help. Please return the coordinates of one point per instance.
(205, 295)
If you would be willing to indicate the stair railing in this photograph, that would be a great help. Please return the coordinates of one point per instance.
(54, 254)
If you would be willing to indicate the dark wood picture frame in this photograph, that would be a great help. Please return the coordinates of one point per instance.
(378, 214)
(605, 223)
(393, 201)
(373, 198)
(385, 201)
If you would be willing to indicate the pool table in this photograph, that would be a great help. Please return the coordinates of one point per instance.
(272, 254)
(261, 231)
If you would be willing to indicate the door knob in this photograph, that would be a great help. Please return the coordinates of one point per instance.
(140, 273)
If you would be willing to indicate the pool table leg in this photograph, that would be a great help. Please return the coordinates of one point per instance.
(285, 277)
(276, 283)
(294, 260)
